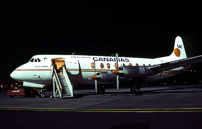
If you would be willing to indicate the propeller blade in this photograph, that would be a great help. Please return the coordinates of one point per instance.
(95, 78)
(96, 86)
(117, 66)
(117, 82)
(117, 76)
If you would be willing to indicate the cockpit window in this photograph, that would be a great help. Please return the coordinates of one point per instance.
(32, 60)
(35, 60)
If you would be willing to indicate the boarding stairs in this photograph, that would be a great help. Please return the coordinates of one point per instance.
(62, 86)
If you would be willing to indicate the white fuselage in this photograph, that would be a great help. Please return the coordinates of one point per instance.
(80, 68)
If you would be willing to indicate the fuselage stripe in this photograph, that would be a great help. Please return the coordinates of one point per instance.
(33, 70)
(92, 70)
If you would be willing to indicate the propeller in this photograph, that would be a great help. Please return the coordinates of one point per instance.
(117, 75)
(95, 79)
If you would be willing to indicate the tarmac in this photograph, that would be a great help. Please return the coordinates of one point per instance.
(155, 98)
(156, 107)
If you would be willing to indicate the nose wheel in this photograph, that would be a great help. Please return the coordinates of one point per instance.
(41, 93)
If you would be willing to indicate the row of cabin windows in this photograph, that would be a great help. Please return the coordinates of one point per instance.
(108, 65)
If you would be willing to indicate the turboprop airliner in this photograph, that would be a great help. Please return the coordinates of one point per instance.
(63, 71)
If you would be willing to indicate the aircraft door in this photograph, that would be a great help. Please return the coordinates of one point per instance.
(57, 63)
(72, 66)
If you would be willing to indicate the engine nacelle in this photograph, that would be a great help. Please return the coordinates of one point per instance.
(124, 72)
(135, 71)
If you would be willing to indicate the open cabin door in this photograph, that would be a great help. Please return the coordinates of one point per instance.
(57, 63)
(72, 66)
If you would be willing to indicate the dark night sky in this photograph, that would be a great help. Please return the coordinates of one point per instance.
(137, 29)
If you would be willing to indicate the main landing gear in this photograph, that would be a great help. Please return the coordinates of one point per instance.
(135, 90)
(101, 90)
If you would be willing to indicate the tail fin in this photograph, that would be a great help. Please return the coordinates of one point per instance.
(179, 50)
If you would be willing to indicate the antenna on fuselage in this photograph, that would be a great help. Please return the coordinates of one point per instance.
(73, 53)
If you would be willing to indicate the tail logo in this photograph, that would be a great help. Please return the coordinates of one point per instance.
(179, 46)
(177, 52)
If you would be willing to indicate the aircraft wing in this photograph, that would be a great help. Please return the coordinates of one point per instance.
(175, 64)
(131, 72)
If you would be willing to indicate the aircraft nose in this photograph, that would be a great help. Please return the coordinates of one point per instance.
(17, 74)
(13, 75)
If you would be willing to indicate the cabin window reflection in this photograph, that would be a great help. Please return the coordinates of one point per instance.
(108, 65)
(92, 65)
(101, 65)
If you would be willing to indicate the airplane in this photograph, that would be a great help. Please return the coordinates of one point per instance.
(49, 69)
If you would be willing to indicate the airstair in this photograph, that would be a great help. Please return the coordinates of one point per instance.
(62, 86)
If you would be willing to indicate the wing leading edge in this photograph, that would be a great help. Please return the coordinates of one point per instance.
(175, 64)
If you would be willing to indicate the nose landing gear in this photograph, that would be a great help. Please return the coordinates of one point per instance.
(41, 93)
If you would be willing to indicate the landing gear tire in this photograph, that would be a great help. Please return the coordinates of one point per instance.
(42, 94)
(135, 90)
(101, 90)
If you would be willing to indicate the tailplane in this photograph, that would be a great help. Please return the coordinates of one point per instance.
(179, 50)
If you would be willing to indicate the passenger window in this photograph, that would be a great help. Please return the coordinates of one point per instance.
(101, 65)
(123, 64)
(92, 65)
(143, 64)
(137, 64)
(130, 64)
(108, 65)
(115, 65)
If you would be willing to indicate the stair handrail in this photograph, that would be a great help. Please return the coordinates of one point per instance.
(57, 82)
(67, 80)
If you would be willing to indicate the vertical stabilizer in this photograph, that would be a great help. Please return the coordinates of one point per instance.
(179, 50)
